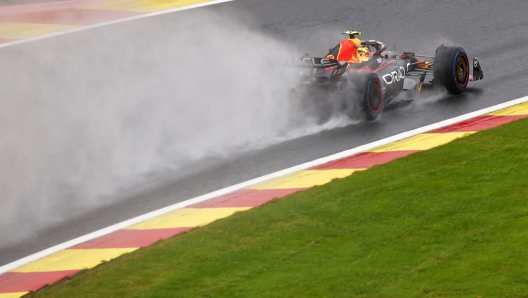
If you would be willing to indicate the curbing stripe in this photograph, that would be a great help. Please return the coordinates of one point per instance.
(77, 17)
(44, 6)
(17, 282)
(423, 141)
(364, 160)
(28, 30)
(304, 179)
(13, 295)
(521, 109)
(141, 6)
(131, 238)
(246, 198)
(186, 217)
(73, 259)
(479, 123)
(126, 19)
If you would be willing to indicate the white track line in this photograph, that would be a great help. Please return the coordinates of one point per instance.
(239, 186)
(146, 15)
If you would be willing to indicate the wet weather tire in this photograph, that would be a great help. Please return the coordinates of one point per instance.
(372, 97)
(451, 69)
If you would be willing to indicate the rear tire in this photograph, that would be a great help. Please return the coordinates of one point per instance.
(451, 69)
(372, 97)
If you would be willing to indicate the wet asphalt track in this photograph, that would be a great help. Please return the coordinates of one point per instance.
(496, 33)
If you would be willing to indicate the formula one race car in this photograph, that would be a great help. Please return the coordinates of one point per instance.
(368, 77)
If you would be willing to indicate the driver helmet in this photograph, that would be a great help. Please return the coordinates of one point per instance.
(352, 33)
(363, 51)
(352, 36)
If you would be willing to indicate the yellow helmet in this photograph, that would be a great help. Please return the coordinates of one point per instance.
(363, 53)
(352, 35)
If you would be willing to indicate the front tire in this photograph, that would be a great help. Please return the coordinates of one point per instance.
(451, 69)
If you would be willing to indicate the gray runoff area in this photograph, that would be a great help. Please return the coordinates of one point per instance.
(493, 33)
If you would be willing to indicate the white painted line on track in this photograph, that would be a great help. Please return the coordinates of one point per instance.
(141, 16)
(230, 189)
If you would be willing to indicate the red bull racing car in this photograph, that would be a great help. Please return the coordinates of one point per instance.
(366, 76)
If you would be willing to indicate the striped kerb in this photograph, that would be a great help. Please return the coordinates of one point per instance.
(32, 20)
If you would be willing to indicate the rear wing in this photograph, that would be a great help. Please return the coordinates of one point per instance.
(309, 62)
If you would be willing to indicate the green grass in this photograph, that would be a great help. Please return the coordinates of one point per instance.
(448, 222)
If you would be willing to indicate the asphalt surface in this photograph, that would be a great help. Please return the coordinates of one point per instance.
(495, 33)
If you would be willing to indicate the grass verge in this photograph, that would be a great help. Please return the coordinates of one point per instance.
(448, 222)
